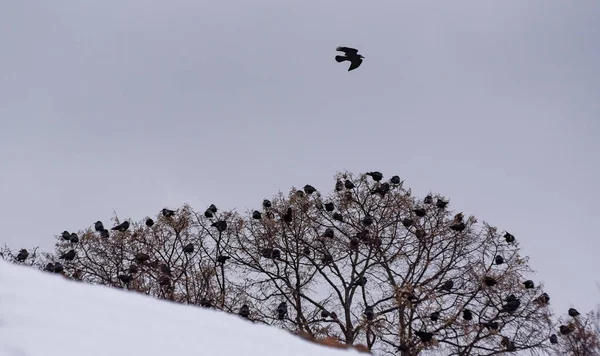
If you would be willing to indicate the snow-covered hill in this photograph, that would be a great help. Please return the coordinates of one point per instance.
(46, 315)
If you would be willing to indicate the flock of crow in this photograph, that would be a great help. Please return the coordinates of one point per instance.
(511, 305)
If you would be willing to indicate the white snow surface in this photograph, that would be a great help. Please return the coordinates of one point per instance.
(42, 314)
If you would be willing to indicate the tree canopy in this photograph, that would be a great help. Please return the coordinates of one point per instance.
(365, 263)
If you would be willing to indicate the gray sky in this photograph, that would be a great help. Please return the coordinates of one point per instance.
(134, 105)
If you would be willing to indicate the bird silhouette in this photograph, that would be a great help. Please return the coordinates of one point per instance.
(351, 55)
(467, 314)
(149, 222)
(220, 225)
(512, 304)
(441, 204)
(369, 312)
(420, 212)
(266, 203)
(361, 281)
(529, 284)
(377, 176)
(368, 220)
(74, 238)
(222, 259)
(309, 189)
(348, 184)
(282, 310)
(167, 213)
(125, 278)
(22, 255)
(256, 215)
(509, 238)
(66, 235)
(499, 260)
(206, 303)
(424, 336)
(122, 227)
(329, 207)
(435, 316)
(489, 281)
(564, 329)
(553, 339)
(447, 286)
(244, 311)
(68, 256)
(104, 234)
(573, 312)
(289, 215)
(395, 180)
(428, 199)
(141, 257)
(328, 233)
(98, 226)
(189, 248)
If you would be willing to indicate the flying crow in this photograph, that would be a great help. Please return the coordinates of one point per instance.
(352, 56)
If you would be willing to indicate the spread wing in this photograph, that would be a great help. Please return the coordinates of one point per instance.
(347, 50)
(355, 64)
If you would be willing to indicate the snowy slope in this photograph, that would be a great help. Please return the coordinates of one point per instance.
(46, 315)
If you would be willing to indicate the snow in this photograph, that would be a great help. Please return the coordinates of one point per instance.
(42, 314)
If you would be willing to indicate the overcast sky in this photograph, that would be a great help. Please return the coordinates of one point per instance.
(134, 105)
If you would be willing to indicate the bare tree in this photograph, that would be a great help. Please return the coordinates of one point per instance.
(367, 263)
(396, 274)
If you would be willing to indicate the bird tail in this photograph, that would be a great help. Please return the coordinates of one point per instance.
(340, 59)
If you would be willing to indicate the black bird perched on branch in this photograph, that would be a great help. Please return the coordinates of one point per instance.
(149, 222)
(244, 311)
(573, 312)
(424, 336)
(22, 255)
(509, 238)
(512, 304)
(489, 281)
(467, 314)
(167, 213)
(529, 284)
(189, 248)
(220, 225)
(377, 176)
(447, 286)
(122, 227)
(369, 312)
(98, 226)
(282, 310)
(309, 189)
(351, 55)
(68, 256)
(222, 259)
